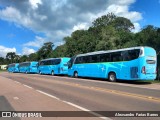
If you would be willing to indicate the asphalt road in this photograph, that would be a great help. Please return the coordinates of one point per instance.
(83, 94)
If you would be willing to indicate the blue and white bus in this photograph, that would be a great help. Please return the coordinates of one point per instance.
(136, 63)
(13, 67)
(53, 66)
(28, 67)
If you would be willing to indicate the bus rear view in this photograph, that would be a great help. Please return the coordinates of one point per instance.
(148, 63)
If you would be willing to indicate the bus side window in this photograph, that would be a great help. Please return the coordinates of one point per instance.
(41, 63)
(87, 59)
(116, 56)
(78, 60)
(126, 56)
(94, 59)
(57, 61)
(134, 54)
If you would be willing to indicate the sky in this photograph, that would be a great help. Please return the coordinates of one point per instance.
(26, 24)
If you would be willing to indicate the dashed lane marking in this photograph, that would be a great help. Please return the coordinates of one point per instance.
(87, 110)
(74, 105)
(47, 94)
(27, 86)
(17, 82)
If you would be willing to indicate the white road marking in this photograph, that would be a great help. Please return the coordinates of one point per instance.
(47, 94)
(17, 82)
(87, 110)
(27, 86)
(74, 105)
(16, 98)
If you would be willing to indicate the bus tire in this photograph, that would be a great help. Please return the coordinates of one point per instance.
(112, 77)
(26, 72)
(52, 73)
(75, 74)
(40, 72)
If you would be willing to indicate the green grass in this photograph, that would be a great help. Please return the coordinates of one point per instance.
(3, 70)
(153, 81)
(156, 81)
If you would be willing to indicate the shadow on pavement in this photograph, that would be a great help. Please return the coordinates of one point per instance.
(6, 106)
(136, 82)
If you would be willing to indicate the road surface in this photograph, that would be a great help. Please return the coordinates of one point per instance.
(33, 92)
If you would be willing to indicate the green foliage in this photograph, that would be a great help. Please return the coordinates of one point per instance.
(33, 57)
(59, 51)
(23, 58)
(122, 24)
(11, 57)
(2, 61)
(104, 20)
(45, 51)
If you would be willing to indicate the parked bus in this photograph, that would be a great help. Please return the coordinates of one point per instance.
(13, 67)
(136, 63)
(53, 66)
(28, 67)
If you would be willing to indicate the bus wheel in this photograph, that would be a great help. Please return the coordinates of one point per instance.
(75, 74)
(40, 73)
(26, 72)
(112, 77)
(52, 73)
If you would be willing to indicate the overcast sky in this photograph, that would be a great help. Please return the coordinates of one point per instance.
(26, 24)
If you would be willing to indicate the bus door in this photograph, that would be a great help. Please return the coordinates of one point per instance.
(126, 66)
(133, 63)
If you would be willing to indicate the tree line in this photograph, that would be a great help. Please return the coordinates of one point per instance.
(106, 33)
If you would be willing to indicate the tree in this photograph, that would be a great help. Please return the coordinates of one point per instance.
(2, 60)
(23, 58)
(60, 51)
(45, 51)
(149, 36)
(32, 57)
(104, 20)
(81, 41)
(11, 56)
(16, 59)
(110, 39)
(122, 24)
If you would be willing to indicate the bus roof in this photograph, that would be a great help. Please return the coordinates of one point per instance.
(28, 62)
(13, 63)
(54, 58)
(108, 51)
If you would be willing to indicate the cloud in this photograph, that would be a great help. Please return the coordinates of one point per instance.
(58, 19)
(80, 26)
(27, 51)
(34, 3)
(137, 28)
(4, 50)
(38, 42)
(121, 8)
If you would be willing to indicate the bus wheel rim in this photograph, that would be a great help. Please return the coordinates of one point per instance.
(112, 77)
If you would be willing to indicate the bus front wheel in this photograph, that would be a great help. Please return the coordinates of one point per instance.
(75, 74)
(112, 77)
